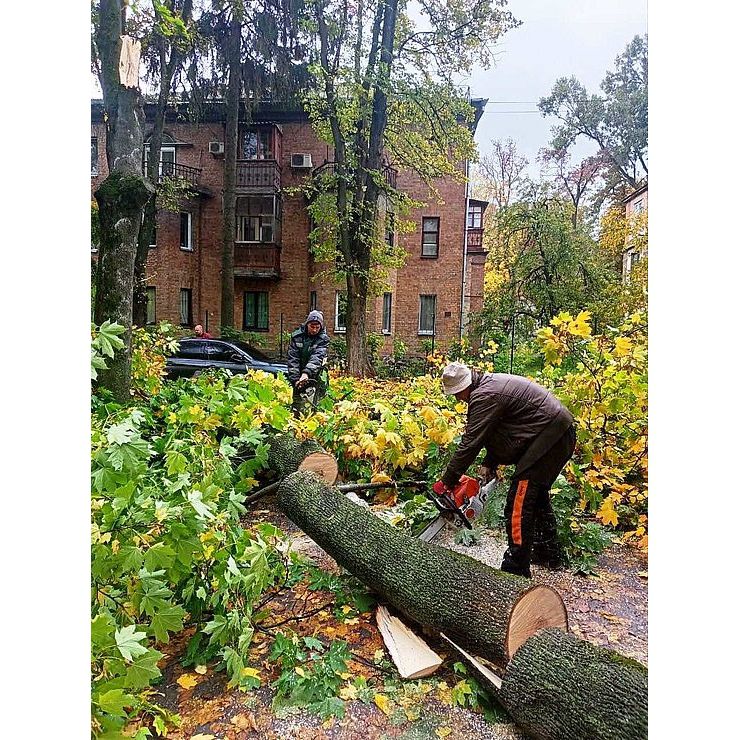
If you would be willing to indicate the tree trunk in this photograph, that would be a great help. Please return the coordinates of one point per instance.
(489, 611)
(121, 197)
(288, 454)
(357, 357)
(558, 687)
(232, 135)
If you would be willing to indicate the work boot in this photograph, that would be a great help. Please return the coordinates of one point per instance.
(550, 554)
(513, 565)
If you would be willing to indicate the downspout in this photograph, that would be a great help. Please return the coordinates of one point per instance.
(465, 249)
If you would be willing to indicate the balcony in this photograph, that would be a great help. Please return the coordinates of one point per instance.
(257, 175)
(328, 169)
(475, 241)
(257, 260)
(180, 171)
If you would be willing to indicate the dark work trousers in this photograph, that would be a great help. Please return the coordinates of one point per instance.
(528, 508)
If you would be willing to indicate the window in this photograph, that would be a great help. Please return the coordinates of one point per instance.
(255, 219)
(634, 258)
(219, 352)
(94, 156)
(186, 230)
(637, 206)
(313, 301)
(167, 158)
(427, 313)
(430, 236)
(256, 144)
(151, 305)
(186, 307)
(189, 349)
(475, 216)
(340, 312)
(390, 229)
(256, 310)
(387, 304)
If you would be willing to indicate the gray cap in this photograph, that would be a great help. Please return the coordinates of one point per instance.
(316, 316)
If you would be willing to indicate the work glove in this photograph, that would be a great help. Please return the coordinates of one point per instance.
(302, 380)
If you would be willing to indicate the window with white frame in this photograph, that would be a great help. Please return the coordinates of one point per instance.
(475, 216)
(430, 236)
(151, 305)
(427, 314)
(256, 144)
(387, 306)
(167, 159)
(186, 230)
(340, 312)
(638, 206)
(94, 161)
(255, 219)
(186, 307)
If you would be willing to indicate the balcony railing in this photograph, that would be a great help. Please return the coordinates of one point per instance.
(180, 171)
(328, 168)
(258, 175)
(475, 240)
(257, 260)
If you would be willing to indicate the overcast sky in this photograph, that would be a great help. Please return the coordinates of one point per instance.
(557, 38)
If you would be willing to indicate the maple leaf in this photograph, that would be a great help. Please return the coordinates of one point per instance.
(129, 644)
(187, 680)
(383, 703)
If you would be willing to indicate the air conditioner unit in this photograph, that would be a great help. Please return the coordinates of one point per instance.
(216, 147)
(301, 161)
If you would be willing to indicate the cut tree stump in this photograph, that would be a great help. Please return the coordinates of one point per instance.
(412, 656)
(483, 609)
(558, 687)
(288, 454)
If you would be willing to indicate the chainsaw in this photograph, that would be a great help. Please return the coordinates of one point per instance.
(461, 506)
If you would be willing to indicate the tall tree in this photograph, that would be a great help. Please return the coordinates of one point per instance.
(170, 38)
(122, 195)
(384, 94)
(575, 182)
(501, 173)
(616, 121)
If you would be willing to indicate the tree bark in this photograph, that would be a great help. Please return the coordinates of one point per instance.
(121, 197)
(489, 611)
(558, 687)
(288, 454)
(232, 135)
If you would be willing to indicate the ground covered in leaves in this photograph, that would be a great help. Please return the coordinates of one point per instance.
(608, 609)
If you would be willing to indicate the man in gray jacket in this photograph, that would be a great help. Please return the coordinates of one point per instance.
(518, 423)
(307, 371)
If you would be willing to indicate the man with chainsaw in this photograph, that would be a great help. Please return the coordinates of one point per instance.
(307, 370)
(518, 423)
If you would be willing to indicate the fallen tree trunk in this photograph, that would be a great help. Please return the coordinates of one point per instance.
(485, 609)
(558, 687)
(288, 454)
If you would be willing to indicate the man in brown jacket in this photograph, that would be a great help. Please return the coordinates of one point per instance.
(518, 422)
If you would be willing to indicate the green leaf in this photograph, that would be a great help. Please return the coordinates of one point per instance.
(102, 629)
(143, 670)
(195, 498)
(167, 620)
(128, 641)
(312, 643)
(114, 702)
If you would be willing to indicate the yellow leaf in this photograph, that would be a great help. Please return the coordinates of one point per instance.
(378, 656)
(202, 669)
(300, 671)
(346, 609)
(607, 514)
(345, 676)
(380, 478)
(383, 703)
(200, 736)
(348, 693)
(356, 620)
(443, 731)
(253, 672)
(187, 680)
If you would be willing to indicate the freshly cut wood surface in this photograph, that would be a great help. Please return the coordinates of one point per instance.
(468, 600)
(288, 454)
(323, 464)
(412, 656)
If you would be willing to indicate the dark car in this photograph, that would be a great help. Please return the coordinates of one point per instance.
(196, 355)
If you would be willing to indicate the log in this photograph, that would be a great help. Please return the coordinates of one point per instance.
(558, 687)
(477, 606)
(288, 454)
(411, 655)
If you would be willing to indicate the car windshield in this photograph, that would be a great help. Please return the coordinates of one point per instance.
(255, 354)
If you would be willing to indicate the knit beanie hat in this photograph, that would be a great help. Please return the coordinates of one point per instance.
(316, 316)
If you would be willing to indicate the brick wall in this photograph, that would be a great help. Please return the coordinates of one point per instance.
(170, 268)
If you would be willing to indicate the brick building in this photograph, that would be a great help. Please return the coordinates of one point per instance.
(634, 250)
(276, 278)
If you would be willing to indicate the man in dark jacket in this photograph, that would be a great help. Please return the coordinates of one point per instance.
(517, 422)
(307, 361)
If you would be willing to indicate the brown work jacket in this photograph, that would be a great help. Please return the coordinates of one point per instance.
(514, 419)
